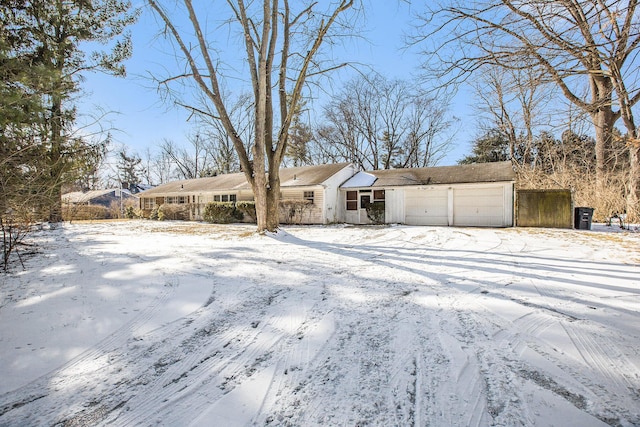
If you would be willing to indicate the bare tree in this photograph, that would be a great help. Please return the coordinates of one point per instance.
(378, 123)
(281, 44)
(219, 143)
(579, 44)
(517, 103)
(189, 162)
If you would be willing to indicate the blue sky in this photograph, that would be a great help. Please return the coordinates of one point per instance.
(141, 119)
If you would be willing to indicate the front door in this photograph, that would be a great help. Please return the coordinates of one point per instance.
(365, 201)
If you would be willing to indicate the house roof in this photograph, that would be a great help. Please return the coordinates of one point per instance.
(79, 197)
(304, 176)
(473, 173)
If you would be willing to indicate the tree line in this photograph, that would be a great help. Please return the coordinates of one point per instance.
(372, 122)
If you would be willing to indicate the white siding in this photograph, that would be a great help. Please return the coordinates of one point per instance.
(475, 205)
(394, 205)
(426, 206)
(334, 208)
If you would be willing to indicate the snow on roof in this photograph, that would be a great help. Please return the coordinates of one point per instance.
(361, 179)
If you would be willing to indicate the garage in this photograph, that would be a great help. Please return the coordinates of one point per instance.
(475, 195)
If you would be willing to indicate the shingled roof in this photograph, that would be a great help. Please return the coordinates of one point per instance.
(473, 173)
(81, 197)
(304, 176)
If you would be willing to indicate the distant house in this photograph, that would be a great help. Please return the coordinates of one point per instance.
(318, 185)
(96, 204)
(103, 198)
(478, 195)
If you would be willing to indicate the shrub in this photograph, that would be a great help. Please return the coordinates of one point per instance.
(84, 212)
(248, 209)
(605, 201)
(292, 211)
(154, 213)
(161, 213)
(375, 212)
(173, 212)
(221, 213)
(130, 212)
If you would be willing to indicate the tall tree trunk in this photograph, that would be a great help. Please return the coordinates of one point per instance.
(633, 197)
(260, 198)
(603, 120)
(56, 161)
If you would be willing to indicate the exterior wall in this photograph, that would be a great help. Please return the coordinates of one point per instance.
(478, 205)
(310, 214)
(359, 215)
(333, 207)
(194, 203)
(394, 205)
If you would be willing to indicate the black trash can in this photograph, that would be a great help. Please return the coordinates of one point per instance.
(582, 218)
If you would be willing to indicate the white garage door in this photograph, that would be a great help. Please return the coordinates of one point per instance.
(479, 207)
(426, 207)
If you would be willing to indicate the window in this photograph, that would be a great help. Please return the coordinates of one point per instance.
(365, 201)
(378, 196)
(148, 203)
(177, 200)
(352, 200)
(225, 198)
(308, 195)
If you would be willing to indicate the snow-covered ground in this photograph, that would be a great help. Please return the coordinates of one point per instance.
(186, 324)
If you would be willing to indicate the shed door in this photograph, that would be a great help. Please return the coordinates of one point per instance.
(426, 207)
(479, 207)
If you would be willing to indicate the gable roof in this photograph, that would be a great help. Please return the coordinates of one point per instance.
(304, 176)
(460, 174)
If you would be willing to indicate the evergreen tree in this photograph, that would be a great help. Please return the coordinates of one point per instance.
(42, 41)
(130, 171)
(493, 146)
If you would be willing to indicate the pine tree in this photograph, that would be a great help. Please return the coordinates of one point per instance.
(44, 40)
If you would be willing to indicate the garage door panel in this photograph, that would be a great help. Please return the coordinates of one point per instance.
(426, 207)
(478, 207)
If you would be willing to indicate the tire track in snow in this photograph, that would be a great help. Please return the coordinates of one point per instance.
(382, 337)
(530, 341)
(607, 366)
(235, 345)
(72, 373)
